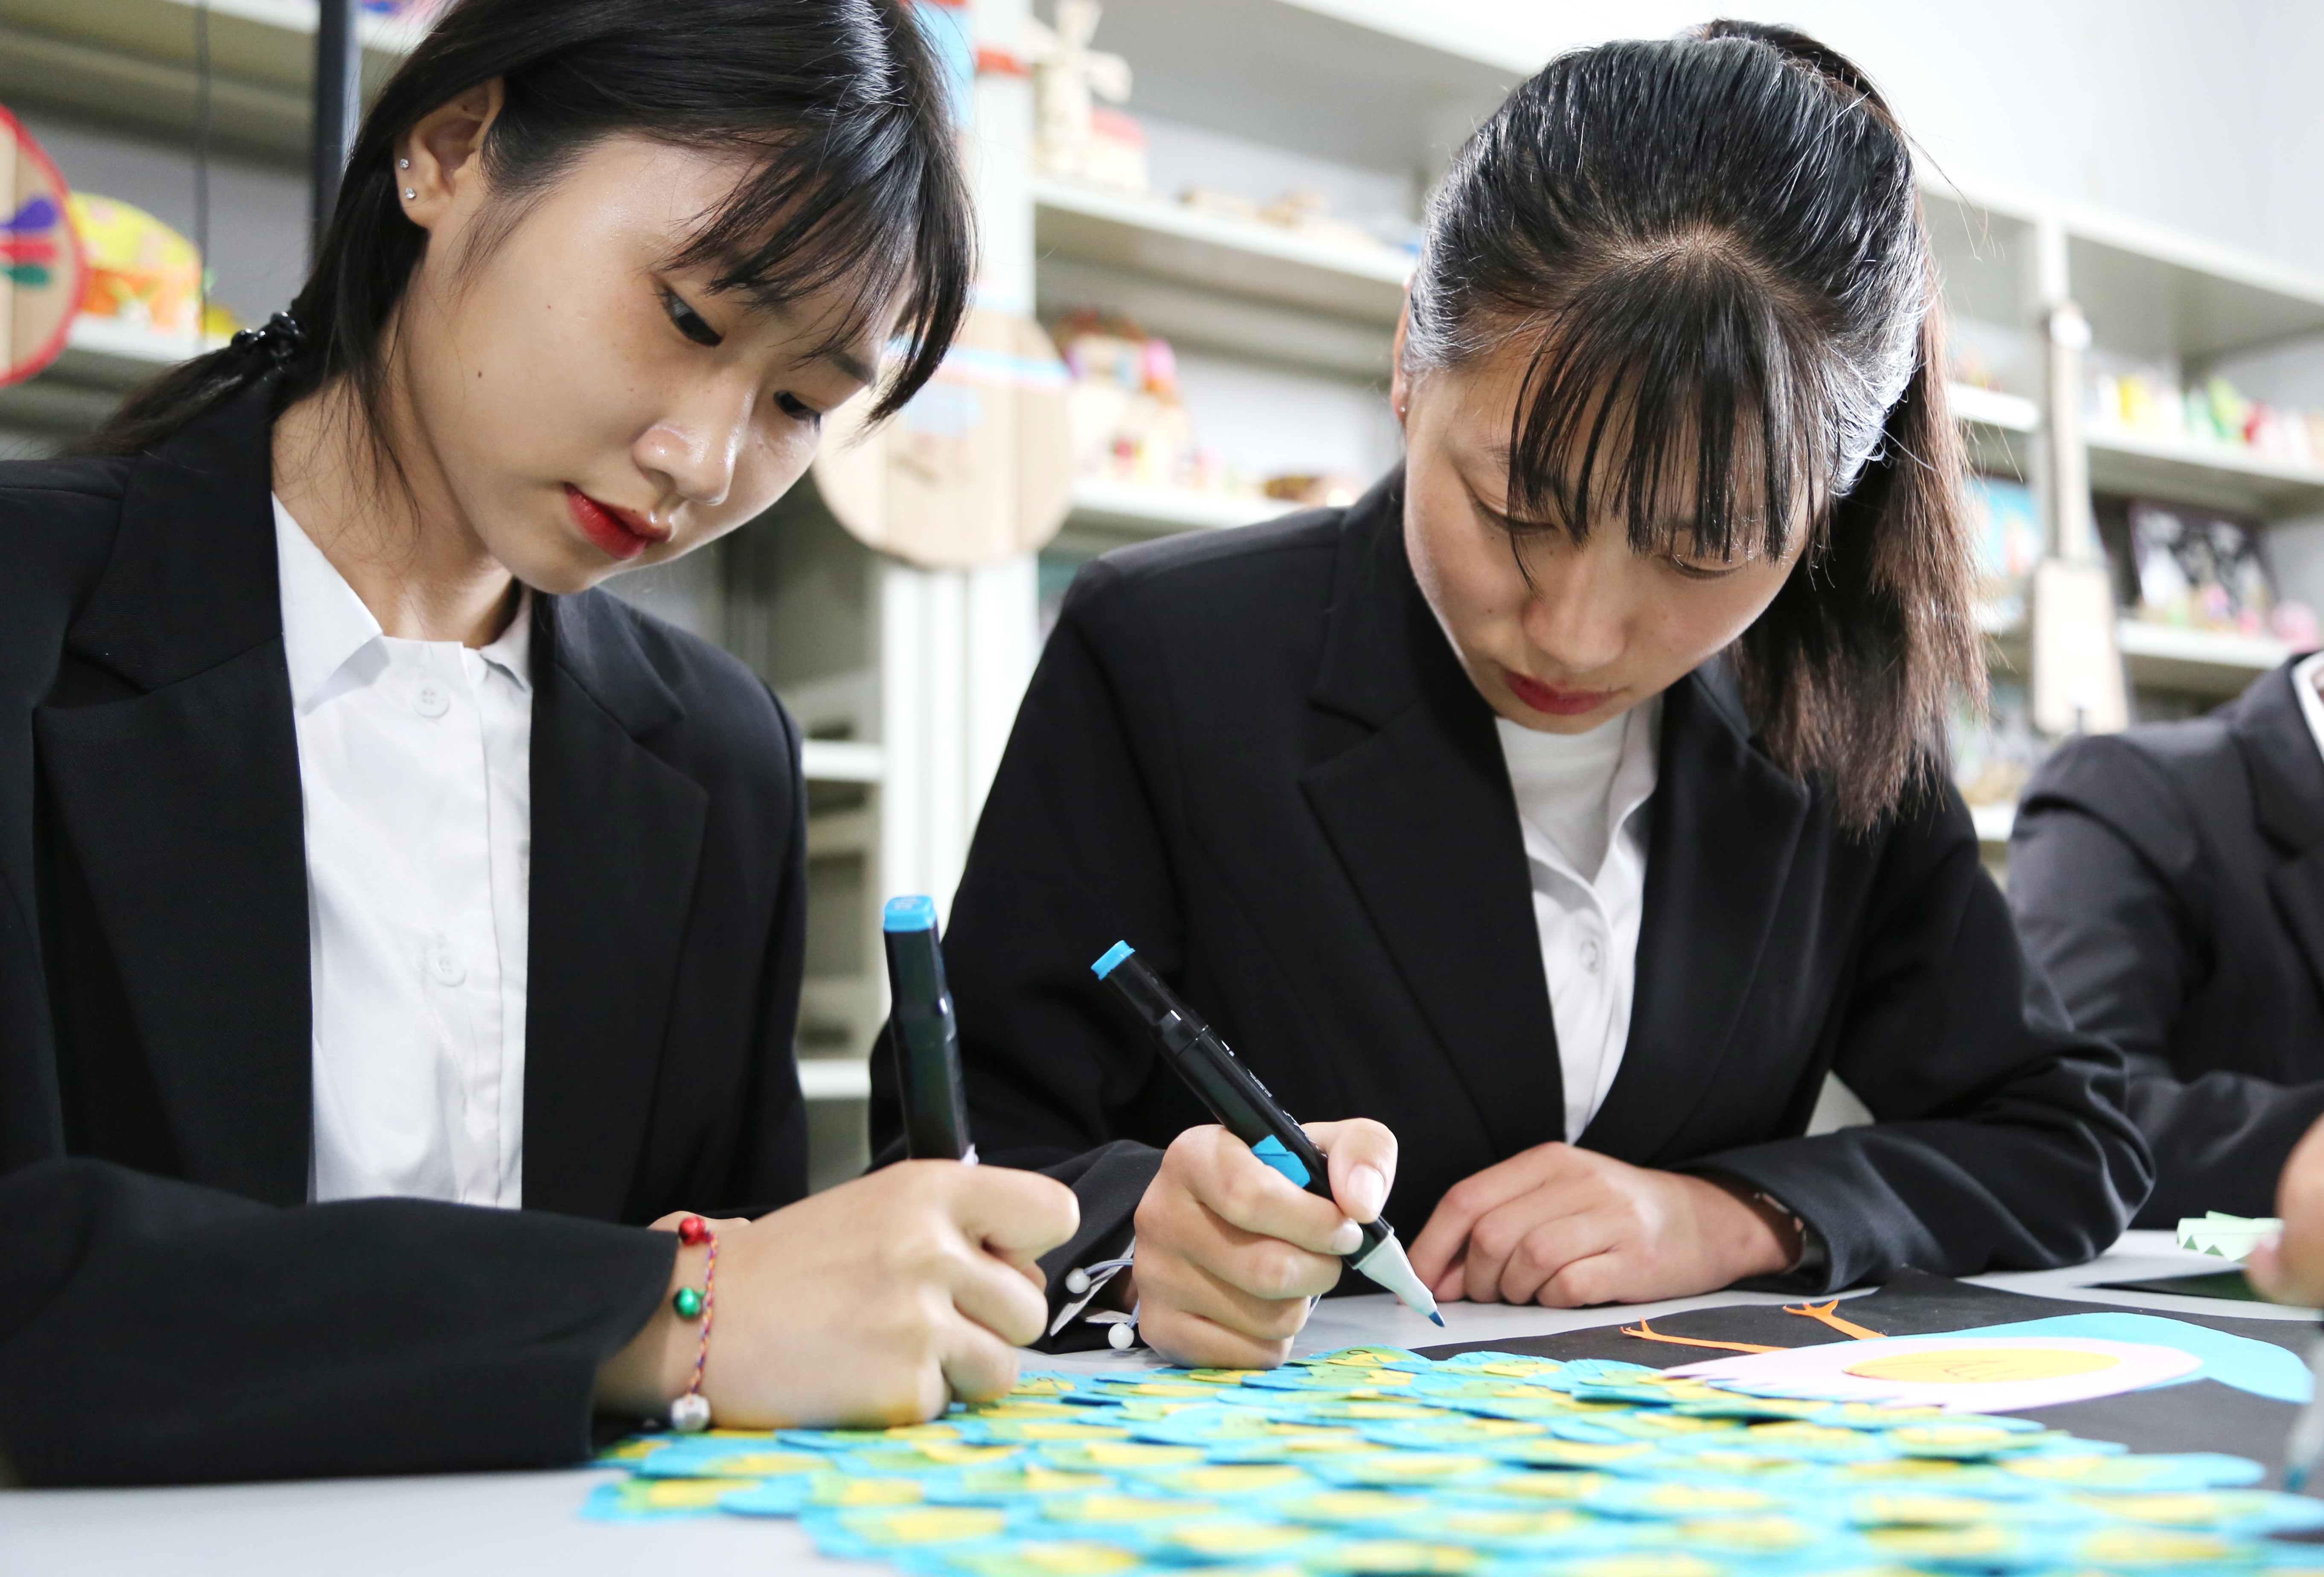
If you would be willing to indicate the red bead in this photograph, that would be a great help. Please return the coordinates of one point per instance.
(692, 1230)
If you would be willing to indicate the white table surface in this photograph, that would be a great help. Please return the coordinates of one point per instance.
(510, 1524)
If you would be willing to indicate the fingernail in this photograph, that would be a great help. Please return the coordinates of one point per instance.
(1367, 1189)
(1349, 1237)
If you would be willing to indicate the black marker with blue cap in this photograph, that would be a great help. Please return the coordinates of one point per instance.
(1245, 1109)
(925, 1035)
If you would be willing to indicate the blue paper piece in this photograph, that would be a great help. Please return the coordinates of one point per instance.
(2261, 1368)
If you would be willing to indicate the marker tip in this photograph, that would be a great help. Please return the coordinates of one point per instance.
(1437, 1317)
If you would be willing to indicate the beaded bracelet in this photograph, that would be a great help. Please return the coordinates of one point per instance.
(690, 1414)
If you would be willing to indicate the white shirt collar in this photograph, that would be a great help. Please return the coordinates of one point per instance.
(2311, 705)
(325, 626)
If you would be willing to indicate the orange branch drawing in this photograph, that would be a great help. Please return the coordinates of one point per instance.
(1646, 1333)
(1825, 1312)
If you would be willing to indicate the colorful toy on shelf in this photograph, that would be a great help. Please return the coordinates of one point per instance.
(140, 272)
(2008, 532)
(2145, 402)
(42, 271)
(2198, 571)
(1072, 137)
(1129, 422)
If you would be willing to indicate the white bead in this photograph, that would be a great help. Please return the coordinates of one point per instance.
(1122, 1337)
(690, 1414)
(1077, 1281)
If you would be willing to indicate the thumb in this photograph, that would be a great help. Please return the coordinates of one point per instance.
(1361, 1156)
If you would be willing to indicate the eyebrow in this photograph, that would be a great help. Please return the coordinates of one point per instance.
(849, 363)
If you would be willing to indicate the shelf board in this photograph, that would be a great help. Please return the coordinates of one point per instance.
(1126, 509)
(2204, 662)
(102, 360)
(131, 62)
(1219, 251)
(1992, 408)
(1993, 821)
(835, 1078)
(2211, 475)
(2150, 291)
(842, 760)
(1383, 85)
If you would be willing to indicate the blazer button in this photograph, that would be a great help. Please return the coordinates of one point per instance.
(431, 699)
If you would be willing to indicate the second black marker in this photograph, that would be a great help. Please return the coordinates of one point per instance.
(1245, 1108)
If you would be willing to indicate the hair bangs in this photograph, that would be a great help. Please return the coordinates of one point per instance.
(851, 205)
(1669, 393)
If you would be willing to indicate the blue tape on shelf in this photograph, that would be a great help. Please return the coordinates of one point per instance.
(1113, 956)
(913, 913)
(1271, 1150)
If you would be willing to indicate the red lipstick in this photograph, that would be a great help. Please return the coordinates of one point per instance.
(617, 532)
(1554, 702)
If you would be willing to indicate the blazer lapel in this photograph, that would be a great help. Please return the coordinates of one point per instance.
(1420, 813)
(181, 806)
(1726, 825)
(617, 837)
(2287, 777)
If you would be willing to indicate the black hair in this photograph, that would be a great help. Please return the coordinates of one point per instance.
(861, 178)
(1712, 250)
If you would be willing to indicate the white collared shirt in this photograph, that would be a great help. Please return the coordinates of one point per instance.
(2311, 705)
(1581, 806)
(415, 764)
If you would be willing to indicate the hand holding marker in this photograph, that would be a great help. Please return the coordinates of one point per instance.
(1245, 1109)
(925, 1034)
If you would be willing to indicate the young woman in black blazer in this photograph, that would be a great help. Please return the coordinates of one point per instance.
(598, 268)
(1679, 462)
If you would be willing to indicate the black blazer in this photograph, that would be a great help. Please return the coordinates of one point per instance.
(154, 1009)
(1255, 757)
(2171, 881)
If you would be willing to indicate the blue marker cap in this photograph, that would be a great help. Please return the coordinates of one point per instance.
(1113, 956)
(915, 913)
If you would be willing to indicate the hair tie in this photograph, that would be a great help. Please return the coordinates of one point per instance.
(280, 337)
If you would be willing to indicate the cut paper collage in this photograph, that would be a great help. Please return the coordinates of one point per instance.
(1377, 1461)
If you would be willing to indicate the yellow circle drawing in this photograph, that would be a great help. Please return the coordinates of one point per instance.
(1979, 1366)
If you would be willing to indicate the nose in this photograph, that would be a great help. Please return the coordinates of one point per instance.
(693, 451)
(1578, 614)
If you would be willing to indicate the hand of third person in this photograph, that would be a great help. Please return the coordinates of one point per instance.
(1230, 1251)
(2291, 1269)
(1565, 1227)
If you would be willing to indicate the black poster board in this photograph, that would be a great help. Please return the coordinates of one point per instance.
(2199, 1415)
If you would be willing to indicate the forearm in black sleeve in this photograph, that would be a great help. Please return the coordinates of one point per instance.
(151, 1332)
(2002, 1141)
(1067, 859)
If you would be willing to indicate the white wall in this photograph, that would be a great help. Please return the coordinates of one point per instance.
(2206, 117)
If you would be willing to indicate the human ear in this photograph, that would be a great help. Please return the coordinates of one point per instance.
(440, 160)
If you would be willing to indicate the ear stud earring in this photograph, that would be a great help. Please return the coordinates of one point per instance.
(410, 195)
(403, 164)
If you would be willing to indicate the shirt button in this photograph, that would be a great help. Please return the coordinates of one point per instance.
(431, 699)
(446, 966)
(1590, 955)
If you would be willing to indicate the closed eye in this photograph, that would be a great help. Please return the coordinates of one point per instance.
(689, 322)
(798, 409)
(1702, 571)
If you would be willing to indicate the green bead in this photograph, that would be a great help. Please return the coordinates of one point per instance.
(686, 1302)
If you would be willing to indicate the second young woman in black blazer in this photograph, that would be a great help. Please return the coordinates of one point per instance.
(1677, 442)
